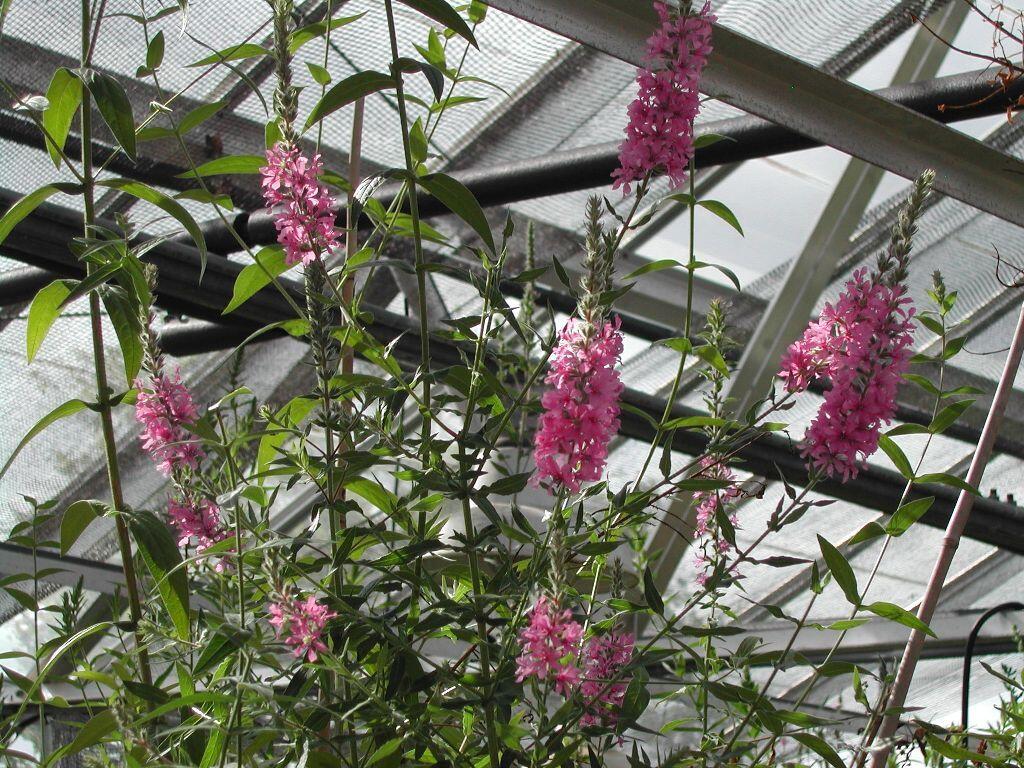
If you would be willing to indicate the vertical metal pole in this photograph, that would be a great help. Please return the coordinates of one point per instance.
(955, 529)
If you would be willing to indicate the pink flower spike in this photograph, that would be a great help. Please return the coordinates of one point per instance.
(199, 522)
(304, 207)
(581, 410)
(862, 345)
(550, 645)
(604, 658)
(659, 136)
(164, 408)
(302, 624)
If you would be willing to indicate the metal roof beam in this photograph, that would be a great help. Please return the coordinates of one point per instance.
(790, 93)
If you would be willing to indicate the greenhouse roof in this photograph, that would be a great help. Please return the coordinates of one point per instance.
(534, 140)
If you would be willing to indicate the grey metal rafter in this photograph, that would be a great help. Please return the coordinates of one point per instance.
(784, 90)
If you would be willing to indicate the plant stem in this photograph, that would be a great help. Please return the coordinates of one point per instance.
(687, 322)
(100, 365)
(421, 287)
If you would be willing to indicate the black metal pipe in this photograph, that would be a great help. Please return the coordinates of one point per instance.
(945, 99)
(41, 238)
(20, 285)
(972, 639)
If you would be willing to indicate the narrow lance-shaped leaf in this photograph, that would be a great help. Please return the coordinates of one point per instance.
(124, 316)
(440, 11)
(29, 203)
(347, 91)
(163, 560)
(116, 110)
(77, 517)
(460, 201)
(61, 411)
(841, 570)
(43, 313)
(255, 277)
(167, 204)
(64, 96)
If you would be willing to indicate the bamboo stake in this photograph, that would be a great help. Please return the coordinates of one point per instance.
(950, 542)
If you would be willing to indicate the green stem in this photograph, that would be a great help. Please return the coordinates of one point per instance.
(421, 287)
(687, 322)
(100, 366)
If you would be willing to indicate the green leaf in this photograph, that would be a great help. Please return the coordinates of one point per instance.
(440, 11)
(167, 204)
(460, 201)
(155, 52)
(43, 313)
(163, 560)
(254, 277)
(902, 616)
(897, 456)
(63, 97)
(76, 519)
(229, 164)
(722, 211)
(61, 411)
(319, 73)
(113, 104)
(948, 415)
(435, 77)
(944, 478)
(99, 727)
(652, 266)
(819, 745)
(29, 203)
(233, 53)
(680, 344)
(870, 531)
(374, 493)
(707, 139)
(199, 115)
(907, 515)
(350, 89)
(305, 34)
(841, 570)
(710, 355)
(124, 316)
(651, 593)
(291, 414)
(386, 749)
(954, 752)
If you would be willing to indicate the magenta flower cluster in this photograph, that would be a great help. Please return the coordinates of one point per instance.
(708, 504)
(552, 649)
(163, 409)
(197, 522)
(304, 207)
(862, 344)
(581, 409)
(659, 135)
(301, 623)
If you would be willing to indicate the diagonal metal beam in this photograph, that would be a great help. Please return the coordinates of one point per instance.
(790, 93)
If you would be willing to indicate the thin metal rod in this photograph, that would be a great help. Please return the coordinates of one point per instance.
(972, 639)
(954, 531)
